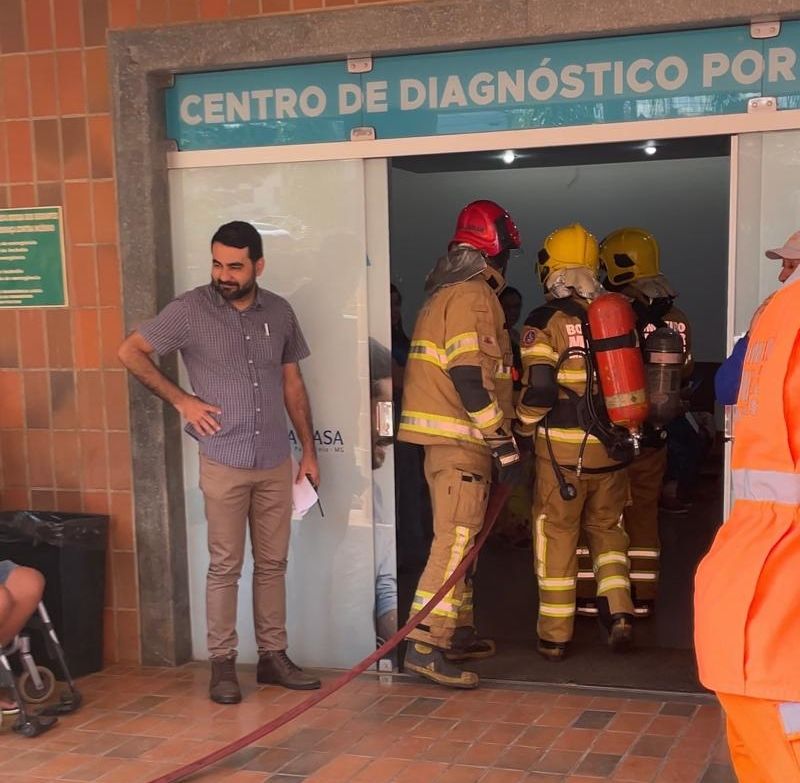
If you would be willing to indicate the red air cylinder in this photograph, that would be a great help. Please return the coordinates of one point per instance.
(620, 367)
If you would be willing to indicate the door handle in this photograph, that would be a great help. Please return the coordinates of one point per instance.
(728, 423)
(384, 418)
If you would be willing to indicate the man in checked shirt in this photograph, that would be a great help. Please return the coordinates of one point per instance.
(241, 346)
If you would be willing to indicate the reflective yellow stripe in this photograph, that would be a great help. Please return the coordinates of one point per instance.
(427, 351)
(557, 583)
(525, 417)
(541, 547)
(503, 374)
(582, 550)
(611, 557)
(539, 351)
(644, 576)
(424, 596)
(651, 554)
(467, 342)
(490, 416)
(443, 426)
(447, 607)
(612, 583)
(437, 610)
(571, 376)
(572, 436)
(557, 610)
(585, 574)
(457, 551)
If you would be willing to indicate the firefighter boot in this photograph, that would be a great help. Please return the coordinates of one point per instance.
(467, 645)
(431, 663)
(620, 633)
(618, 626)
(551, 651)
(224, 686)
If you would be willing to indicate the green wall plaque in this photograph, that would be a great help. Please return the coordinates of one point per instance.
(32, 270)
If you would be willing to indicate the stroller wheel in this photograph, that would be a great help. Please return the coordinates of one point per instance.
(33, 694)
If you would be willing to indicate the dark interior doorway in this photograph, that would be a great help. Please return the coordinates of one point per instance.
(682, 190)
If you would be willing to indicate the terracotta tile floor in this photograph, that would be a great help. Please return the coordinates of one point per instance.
(138, 723)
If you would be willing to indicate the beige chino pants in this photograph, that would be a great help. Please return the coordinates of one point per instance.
(233, 497)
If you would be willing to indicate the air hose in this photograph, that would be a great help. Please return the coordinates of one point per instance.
(497, 498)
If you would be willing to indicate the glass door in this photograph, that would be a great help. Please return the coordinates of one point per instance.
(313, 220)
(765, 211)
(383, 401)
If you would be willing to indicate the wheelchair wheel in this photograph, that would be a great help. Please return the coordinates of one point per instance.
(28, 690)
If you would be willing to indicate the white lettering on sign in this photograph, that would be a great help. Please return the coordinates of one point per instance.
(350, 98)
(750, 65)
(377, 97)
(542, 81)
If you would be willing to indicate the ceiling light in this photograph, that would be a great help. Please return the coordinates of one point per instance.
(650, 148)
(509, 156)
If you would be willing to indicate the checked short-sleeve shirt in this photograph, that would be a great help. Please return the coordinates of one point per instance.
(234, 359)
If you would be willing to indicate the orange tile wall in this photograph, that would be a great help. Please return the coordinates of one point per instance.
(64, 428)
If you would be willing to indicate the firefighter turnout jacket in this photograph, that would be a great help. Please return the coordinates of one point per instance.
(461, 325)
(554, 382)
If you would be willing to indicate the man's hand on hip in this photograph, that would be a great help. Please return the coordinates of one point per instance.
(308, 467)
(199, 414)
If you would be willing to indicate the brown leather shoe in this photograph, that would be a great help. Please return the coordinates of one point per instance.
(276, 668)
(224, 687)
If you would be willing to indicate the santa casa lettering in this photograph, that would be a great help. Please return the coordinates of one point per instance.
(325, 440)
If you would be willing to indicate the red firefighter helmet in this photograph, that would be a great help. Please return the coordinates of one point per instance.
(486, 226)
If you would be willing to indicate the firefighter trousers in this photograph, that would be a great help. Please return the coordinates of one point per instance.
(640, 517)
(459, 479)
(596, 510)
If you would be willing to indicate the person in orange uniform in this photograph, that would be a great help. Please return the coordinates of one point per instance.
(457, 403)
(747, 589)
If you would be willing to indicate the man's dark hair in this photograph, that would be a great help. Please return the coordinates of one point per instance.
(239, 234)
(380, 360)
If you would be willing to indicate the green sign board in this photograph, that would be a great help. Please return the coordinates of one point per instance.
(32, 258)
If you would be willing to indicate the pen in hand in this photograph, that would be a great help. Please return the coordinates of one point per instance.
(316, 489)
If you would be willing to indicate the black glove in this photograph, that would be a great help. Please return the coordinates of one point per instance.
(524, 442)
(505, 454)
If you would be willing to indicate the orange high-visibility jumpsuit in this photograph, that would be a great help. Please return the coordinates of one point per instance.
(747, 599)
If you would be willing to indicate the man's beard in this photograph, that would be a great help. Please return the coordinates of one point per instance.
(233, 292)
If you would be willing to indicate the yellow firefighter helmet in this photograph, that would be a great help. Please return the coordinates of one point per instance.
(629, 254)
(570, 246)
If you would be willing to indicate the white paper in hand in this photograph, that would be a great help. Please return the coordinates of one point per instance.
(303, 494)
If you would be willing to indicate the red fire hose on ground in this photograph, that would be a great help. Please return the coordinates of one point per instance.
(497, 499)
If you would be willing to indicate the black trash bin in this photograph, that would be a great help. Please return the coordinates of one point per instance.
(70, 550)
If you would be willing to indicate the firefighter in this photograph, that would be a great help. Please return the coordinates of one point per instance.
(457, 404)
(580, 483)
(631, 260)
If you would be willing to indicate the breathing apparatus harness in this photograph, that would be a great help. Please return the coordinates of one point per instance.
(650, 313)
(586, 411)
